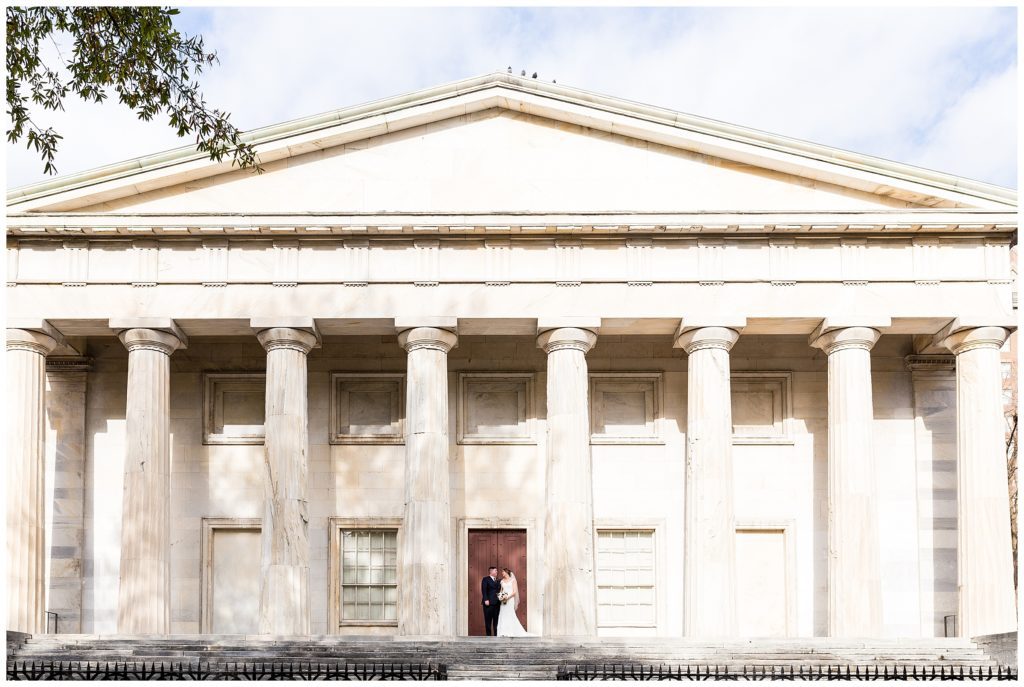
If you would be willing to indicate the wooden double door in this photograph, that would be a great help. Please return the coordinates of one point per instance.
(505, 549)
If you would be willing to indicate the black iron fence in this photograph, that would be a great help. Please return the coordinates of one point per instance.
(143, 670)
(639, 671)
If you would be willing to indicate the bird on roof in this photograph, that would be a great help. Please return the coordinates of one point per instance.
(510, 69)
(522, 73)
(535, 75)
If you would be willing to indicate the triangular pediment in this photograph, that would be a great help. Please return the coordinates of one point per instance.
(512, 145)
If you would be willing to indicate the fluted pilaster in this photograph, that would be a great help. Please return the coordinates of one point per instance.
(854, 569)
(144, 597)
(570, 594)
(426, 590)
(284, 563)
(709, 562)
(984, 562)
(26, 540)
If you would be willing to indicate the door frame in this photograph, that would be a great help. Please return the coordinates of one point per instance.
(206, 562)
(534, 547)
(788, 528)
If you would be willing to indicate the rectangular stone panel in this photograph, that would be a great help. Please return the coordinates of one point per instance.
(367, 408)
(234, 404)
(496, 408)
(761, 407)
(625, 408)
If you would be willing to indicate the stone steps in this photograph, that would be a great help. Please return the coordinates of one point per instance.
(532, 658)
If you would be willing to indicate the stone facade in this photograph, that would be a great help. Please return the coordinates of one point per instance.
(724, 385)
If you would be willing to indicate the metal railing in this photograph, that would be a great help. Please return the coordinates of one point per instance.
(640, 671)
(143, 670)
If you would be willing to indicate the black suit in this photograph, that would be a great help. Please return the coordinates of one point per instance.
(489, 589)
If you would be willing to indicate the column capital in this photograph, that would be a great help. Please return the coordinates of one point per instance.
(844, 338)
(275, 338)
(572, 338)
(31, 340)
(434, 338)
(141, 339)
(701, 338)
(976, 337)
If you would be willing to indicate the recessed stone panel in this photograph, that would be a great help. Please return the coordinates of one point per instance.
(367, 408)
(496, 408)
(625, 408)
(234, 407)
(761, 407)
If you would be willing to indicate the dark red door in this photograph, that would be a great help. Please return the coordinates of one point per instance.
(505, 549)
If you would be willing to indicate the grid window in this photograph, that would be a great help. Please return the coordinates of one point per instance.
(368, 576)
(625, 578)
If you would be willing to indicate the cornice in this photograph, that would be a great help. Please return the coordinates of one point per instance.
(233, 226)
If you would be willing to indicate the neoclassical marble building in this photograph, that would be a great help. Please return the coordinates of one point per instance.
(687, 378)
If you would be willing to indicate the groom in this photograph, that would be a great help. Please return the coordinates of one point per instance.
(489, 588)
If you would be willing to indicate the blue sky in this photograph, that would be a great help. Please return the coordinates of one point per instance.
(934, 87)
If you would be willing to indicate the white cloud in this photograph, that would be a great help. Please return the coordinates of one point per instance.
(927, 86)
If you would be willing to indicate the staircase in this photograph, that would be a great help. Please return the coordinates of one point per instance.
(501, 658)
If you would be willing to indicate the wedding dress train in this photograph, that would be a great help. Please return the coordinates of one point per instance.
(508, 621)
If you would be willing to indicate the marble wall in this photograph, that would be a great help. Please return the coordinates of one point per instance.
(638, 471)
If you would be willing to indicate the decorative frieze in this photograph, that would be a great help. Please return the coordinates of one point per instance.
(499, 262)
(215, 262)
(428, 262)
(567, 262)
(853, 260)
(638, 262)
(13, 249)
(356, 267)
(926, 260)
(781, 266)
(997, 261)
(286, 263)
(77, 266)
(711, 262)
(147, 262)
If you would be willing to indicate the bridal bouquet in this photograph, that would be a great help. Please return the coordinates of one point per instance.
(502, 597)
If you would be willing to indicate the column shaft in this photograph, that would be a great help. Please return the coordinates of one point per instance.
(984, 556)
(570, 593)
(26, 541)
(284, 563)
(426, 588)
(709, 563)
(144, 596)
(854, 582)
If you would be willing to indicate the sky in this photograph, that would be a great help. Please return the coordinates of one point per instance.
(927, 86)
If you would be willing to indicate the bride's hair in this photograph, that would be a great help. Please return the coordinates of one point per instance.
(510, 573)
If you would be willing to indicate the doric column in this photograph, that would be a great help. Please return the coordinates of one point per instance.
(426, 589)
(284, 537)
(144, 596)
(66, 382)
(26, 540)
(854, 569)
(709, 556)
(570, 593)
(984, 563)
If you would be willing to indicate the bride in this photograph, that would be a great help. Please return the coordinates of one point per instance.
(508, 622)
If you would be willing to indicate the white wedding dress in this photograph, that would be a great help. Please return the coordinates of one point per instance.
(508, 621)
